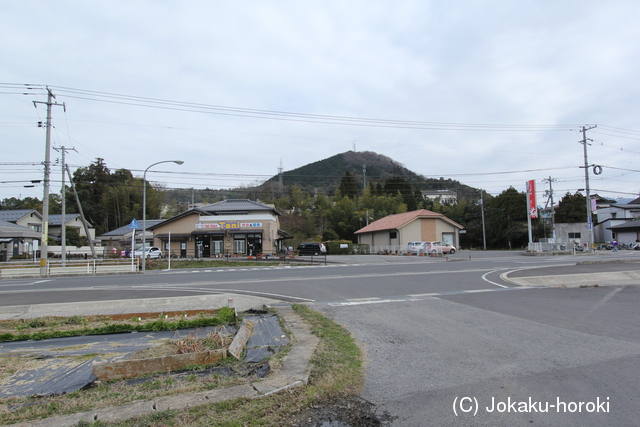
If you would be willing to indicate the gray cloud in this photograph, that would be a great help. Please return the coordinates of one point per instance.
(463, 62)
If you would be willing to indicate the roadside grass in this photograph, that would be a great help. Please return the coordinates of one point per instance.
(336, 373)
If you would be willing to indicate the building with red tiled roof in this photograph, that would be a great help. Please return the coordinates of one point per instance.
(400, 229)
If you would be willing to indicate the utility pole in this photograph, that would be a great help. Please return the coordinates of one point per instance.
(364, 178)
(47, 172)
(281, 186)
(553, 211)
(63, 192)
(585, 142)
(84, 220)
(484, 233)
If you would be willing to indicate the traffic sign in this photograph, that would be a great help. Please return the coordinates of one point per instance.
(134, 224)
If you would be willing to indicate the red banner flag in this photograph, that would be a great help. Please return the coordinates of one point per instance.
(531, 199)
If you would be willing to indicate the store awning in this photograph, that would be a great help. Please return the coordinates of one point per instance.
(173, 236)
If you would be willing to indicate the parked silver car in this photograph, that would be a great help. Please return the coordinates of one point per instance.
(416, 248)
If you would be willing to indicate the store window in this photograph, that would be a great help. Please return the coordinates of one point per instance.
(239, 243)
(216, 245)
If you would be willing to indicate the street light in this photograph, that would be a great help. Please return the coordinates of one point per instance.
(144, 209)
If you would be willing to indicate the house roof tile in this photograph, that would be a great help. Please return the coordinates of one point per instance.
(634, 224)
(15, 215)
(125, 229)
(236, 205)
(56, 219)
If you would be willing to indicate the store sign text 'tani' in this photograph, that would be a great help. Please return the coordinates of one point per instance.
(224, 225)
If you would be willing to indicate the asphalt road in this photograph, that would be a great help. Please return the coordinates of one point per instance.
(447, 341)
(342, 278)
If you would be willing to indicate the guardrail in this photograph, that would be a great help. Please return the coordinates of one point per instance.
(57, 268)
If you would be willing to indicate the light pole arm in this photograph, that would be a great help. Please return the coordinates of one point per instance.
(144, 209)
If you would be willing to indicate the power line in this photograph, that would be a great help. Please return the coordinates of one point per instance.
(286, 115)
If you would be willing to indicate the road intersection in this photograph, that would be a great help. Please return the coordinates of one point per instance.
(473, 328)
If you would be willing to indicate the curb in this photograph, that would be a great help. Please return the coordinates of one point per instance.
(294, 372)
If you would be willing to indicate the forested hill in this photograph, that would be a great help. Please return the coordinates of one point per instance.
(325, 175)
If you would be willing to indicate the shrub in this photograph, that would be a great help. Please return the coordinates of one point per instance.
(334, 247)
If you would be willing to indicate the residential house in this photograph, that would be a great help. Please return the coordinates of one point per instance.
(448, 197)
(73, 220)
(16, 240)
(29, 218)
(20, 232)
(121, 237)
(627, 233)
(610, 218)
(396, 231)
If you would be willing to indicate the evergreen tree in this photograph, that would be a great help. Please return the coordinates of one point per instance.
(13, 203)
(398, 184)
(571, 209)
(348, 186)
(506, 220)
(111, 200)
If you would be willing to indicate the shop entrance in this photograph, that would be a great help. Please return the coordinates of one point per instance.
(254, 243)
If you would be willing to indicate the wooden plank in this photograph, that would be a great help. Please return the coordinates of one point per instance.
(240, 340)
(135, 368)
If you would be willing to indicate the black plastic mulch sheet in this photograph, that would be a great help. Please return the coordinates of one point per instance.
(267, 339)
(62, 369)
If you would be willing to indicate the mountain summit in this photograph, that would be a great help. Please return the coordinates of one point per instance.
(325, 175)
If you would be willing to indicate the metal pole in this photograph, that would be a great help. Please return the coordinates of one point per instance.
(484, 234)
(584, 142)
(44, 250)
(553, 211)
(144, 209)
(63, 237)
(64, 217)
(84, 220)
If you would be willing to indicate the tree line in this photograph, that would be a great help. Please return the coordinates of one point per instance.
(317, 216)
(111, 200)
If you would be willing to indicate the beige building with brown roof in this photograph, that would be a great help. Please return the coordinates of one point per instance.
(229, 227)
(400, 229)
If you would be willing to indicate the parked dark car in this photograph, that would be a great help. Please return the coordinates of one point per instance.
(312, 248)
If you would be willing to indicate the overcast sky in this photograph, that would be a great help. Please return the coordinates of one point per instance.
(498, 90)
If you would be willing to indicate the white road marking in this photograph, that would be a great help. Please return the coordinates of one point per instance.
(484, 277)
